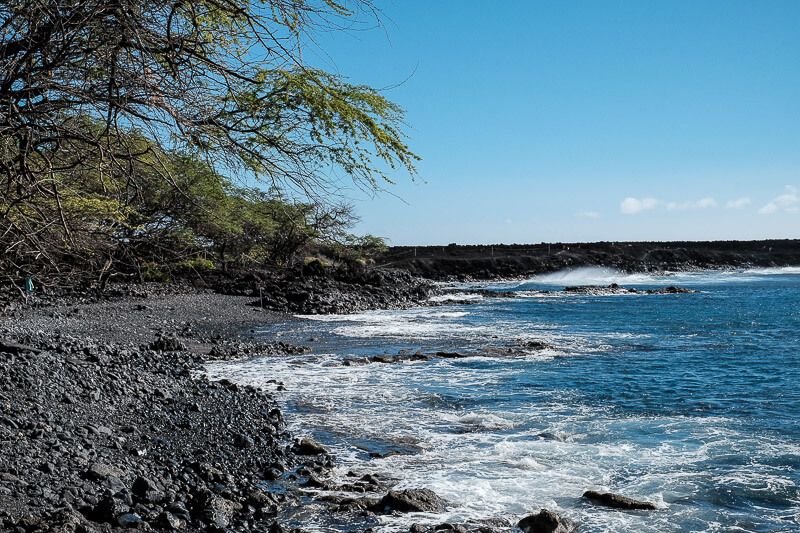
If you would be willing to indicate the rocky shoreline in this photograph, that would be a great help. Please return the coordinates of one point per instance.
(312, 289)
(108, 422)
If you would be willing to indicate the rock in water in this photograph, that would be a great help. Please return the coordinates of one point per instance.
(308, 446)
(617, 501)
(546, 522)
(411, 501)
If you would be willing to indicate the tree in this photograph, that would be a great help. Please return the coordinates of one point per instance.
(101, 90)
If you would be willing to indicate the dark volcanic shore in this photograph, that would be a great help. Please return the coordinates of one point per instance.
(108, 423)
(312, 289)
(510, 261)
(105, 425)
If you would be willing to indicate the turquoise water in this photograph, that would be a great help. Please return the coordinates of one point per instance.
(691, 401)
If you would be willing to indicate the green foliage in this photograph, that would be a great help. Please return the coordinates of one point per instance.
(197, 264)
(124, 123)
(151, 271)
(371, 245)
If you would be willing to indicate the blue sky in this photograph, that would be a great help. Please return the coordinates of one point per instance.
(585, 120)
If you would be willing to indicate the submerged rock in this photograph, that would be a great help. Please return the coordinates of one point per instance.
(672, 289)
(547, 522)
(605, 290)
(617, 501)
(411, 501)
(450, 355)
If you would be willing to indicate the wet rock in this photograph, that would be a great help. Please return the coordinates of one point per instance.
(314, 482)
(671, 290)
(599, 290)
(369, 479)
(617, 501)
(546, 522)
(559, 436)
(382, 359)
(411, 501)
(450, 355)
(308, 446)
(456, 528)
(536, 345)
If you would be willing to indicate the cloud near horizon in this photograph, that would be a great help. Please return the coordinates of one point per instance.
(588, 214)
(738, 203)
(632, 206)
(789, 202)
(703, 203)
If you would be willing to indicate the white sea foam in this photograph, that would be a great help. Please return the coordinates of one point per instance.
(373, 316)
(774, 271)
(426, 322)
(509, 462)
(480, 420)
(455, 297)
(607, 276)
(590, 276)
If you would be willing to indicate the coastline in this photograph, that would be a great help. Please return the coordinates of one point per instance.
(109, 423)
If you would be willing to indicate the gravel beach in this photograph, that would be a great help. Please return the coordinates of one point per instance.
(107, 423)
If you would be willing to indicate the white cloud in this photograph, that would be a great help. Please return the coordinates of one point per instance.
(631, 206)
(739, 203)
(588, 214)
(768, 209)
(703, 203)
(789, 201)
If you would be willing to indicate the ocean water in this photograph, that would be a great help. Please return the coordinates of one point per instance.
(691, 401)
